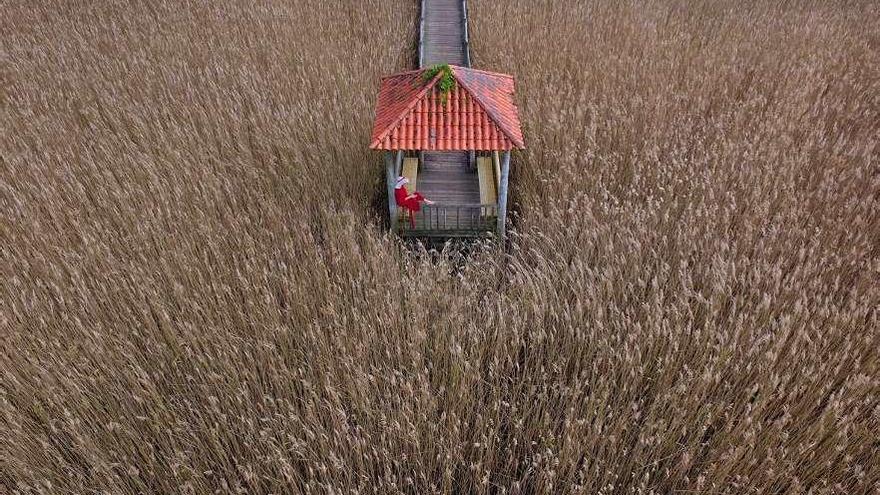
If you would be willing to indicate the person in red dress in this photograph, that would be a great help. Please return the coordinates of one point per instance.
(410, 202)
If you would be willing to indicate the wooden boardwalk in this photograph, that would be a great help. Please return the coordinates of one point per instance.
(444, 33)
(446, 177)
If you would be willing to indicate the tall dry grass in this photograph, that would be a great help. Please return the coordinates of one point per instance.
(198, 296)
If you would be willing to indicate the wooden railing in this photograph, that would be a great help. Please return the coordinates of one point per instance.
(422, 36)
(467, 47)
(451, 220)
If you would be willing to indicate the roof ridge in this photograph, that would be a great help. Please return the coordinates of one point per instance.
(489, 111)
(407, 109)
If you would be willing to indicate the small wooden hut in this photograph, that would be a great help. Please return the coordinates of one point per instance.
(454, 147)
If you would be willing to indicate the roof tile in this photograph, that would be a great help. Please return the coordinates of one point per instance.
(479, 113)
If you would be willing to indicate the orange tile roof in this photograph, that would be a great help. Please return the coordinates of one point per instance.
(479, 113)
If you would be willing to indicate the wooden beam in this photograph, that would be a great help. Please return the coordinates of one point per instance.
(390, 179)
(502, 195)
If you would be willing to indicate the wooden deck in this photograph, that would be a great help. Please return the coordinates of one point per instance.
(446, 178)
(444, 32)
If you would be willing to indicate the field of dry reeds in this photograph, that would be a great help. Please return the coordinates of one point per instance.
(197, 294)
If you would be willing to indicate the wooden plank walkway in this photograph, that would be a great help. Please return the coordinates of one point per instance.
(444, 32)
(446, 177)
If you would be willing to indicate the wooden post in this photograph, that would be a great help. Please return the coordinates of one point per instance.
(390, 178)
(496, 161)
(502, 195)
(398, 164)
